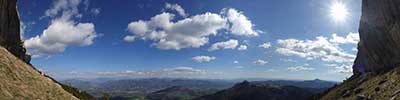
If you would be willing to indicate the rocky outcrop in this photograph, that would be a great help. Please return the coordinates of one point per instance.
(10, 30)
(379, 46)
(377, 66)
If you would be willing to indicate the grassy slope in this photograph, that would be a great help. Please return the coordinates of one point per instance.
(20, 81)
(378, 87)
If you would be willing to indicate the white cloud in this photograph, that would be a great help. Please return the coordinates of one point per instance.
(167, 72)
(62, 32)
(260, 62)
(185, 70)
(271, 70)
(235, 62)
(351, 38)
(230, 44)
(300, 68)
(240, 24)
(23, 29)
(201, 59)
(63, 6)
(354, 49)
(288, 60)
(265, 45)
(343, 68)
(95, 11)
(177, 8)
(242, 47)
(320, 48)
(129, 38)
(239, 67)
(192, 32)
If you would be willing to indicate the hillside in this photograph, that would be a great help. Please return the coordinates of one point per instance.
(21, 81)
(174, 93)
(133, 88)
(259, 91)
(316, 83)
(368, 87)
(376, 71)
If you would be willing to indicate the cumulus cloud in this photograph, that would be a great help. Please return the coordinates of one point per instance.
(351, 38)
(230, 44)
(260, 62)
(201, 59)
(343, 68)
(300, 68)
(177, 8)
(240, 24)
(191, 32)
(320, 48)
(235, 62)
(242, 47)
(265, 45)
(62, 32)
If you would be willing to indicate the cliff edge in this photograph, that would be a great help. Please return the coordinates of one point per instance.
(379, 46)
(376, 71)
(18, 79)
(10, 30)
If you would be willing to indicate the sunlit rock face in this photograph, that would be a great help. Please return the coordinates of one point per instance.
(10, 29)
(379, 47)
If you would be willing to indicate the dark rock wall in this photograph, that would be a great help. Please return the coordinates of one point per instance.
(10, 29)
(379, 47)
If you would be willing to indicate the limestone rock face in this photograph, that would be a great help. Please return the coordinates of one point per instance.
(379, 46)
(10, 30)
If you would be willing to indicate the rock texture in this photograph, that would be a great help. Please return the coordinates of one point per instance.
(10, 30)
(377, 66)
(367, 87)
(379, 48)
(18, 79)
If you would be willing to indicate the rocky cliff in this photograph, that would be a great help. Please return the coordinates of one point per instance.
(18, 79)
(10, 30)
(379, 48)
(377, 66)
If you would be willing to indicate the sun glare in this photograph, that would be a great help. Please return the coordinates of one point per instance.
(338, 12)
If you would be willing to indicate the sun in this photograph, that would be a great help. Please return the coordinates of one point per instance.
(339, 12)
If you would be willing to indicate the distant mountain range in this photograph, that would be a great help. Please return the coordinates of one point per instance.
(182, 89)
(259, 91)
(175, 93)
(138, 88)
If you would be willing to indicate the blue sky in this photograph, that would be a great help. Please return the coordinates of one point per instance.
(192, 39)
